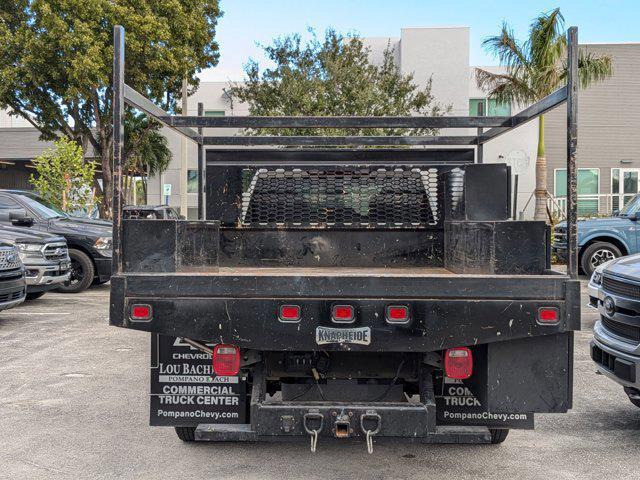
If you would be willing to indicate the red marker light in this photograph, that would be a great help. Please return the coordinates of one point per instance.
(140, 312)
(226, 360)
(397, 314)
(458, 363)
(548, 315)
(342, 314)
(289, 313)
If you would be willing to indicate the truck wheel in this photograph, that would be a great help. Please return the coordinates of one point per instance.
(186, 434)
(596, 254)
(82, 273)
(634, 395)
(498, 435)
(34, 295)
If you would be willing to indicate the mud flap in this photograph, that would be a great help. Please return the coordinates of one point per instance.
(185, 391)
(457, 405)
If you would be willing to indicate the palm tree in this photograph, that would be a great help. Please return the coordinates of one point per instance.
(535, 69)
(146, 149)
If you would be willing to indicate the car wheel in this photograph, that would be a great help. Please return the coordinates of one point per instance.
(186, 434)
(596, 254)
(634, 395)
(498, 435)
(82, 273)
(34, 295)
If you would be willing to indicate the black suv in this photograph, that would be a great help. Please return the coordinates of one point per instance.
(89, 240)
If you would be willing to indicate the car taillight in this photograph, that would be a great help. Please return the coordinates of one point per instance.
(458, 363)
(548, 315)
(342, 314)
(141, 312)
(289, 313)
(226, 360)
(397, 314)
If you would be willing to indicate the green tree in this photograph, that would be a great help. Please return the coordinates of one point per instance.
(150, 153)
(56, 61)
(332, 76)
(534, 69)
(64, 178)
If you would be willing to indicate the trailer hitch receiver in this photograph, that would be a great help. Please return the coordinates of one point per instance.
(342, 425)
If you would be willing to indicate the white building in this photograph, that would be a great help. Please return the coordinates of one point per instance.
(439, 53)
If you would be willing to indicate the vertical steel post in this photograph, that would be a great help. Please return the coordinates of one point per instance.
(572, 147)
(201, 168)
(118, 146)
(479, 145)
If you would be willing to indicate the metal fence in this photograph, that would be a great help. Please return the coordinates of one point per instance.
(589, 206)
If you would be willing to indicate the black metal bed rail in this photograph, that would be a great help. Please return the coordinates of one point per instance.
(124, 94)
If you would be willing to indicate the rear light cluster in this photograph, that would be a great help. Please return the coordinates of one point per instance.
(289, 313)
(548, 316)
(141, 312)
(226, 360)
(397, 314)
(458, 363)
(394, 314)
(342, 314)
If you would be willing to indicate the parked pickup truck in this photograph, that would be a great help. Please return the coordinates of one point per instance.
(615, 347)
(45, 258)
(89, 241)
(603, 239)
(150, 212)
(12, 283)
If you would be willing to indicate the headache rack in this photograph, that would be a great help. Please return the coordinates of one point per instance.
(392, 192)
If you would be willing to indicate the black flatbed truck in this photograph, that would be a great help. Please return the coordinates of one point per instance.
(348, 292)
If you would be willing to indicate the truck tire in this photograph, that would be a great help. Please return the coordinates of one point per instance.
(186, 434)
(82, 272)
(34, 295)
(634, 395)
(498, 435)
(596, 254)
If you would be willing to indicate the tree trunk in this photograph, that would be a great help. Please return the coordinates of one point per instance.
(107, 177)
(541, 176)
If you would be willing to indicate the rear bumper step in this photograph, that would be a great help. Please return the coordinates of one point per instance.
(244, 433)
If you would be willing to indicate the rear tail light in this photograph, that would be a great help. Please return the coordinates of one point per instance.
(342, 314)
(458, 363)
(548, 315)
(226, 360)
(397, 314)
(141, 312)
(289, 313)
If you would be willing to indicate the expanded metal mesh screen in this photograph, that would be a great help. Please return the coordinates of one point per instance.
(343, 198)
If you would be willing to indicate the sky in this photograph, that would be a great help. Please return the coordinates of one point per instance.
(248, 22)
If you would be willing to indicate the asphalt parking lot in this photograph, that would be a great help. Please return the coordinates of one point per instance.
(73, 404)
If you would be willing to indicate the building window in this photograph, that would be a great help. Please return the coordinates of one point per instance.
(588, 190)
(192, 181)
(625, 185)
(483, 107)
(214, 113)
(192, 213)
